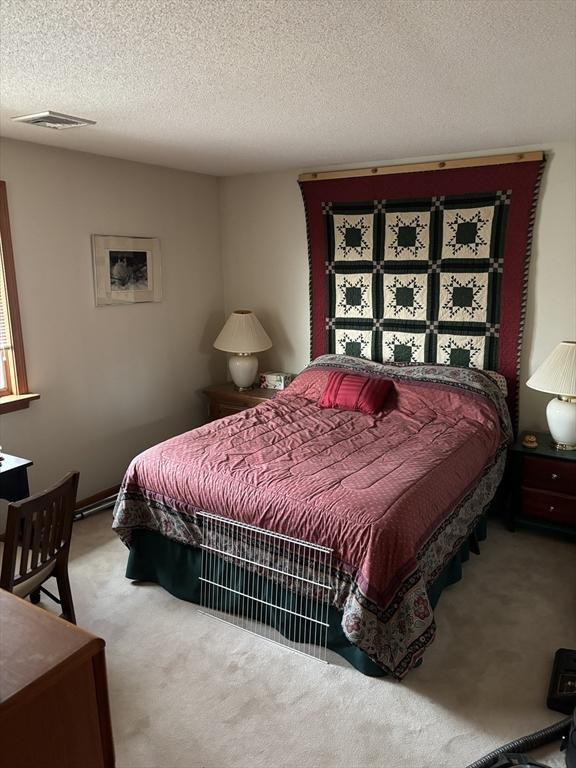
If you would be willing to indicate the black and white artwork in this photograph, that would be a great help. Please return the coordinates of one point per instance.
(127, 270)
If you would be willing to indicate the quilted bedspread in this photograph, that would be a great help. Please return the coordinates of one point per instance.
(394, 495)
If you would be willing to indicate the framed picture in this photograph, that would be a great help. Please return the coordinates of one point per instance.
(126, 269)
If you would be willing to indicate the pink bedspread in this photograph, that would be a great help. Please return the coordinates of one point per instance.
(376, 489)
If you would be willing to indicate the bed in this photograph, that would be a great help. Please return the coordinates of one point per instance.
(399, 497)
(425, 266)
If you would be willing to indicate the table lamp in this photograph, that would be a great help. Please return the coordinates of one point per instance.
(557, 375)
(242, 335)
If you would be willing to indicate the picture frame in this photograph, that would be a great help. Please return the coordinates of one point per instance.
(127, 270)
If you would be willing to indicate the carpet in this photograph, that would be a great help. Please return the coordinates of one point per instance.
(189, 692)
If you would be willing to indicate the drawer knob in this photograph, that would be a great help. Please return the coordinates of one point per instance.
(554, 476)
(551, 509)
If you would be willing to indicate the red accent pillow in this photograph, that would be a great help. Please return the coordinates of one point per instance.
(355, 393)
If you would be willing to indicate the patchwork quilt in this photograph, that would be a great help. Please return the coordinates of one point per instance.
(417, 280)
(395, 494)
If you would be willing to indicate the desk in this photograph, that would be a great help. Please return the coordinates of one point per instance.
(54, 710)
(14, 477)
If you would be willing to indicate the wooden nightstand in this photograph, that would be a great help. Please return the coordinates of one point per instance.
(543, 486)
(225, 399)
(14, 477)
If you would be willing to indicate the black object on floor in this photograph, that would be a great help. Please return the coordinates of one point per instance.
(569, 744)
(561, 698)
(562, 690)
(507, 755)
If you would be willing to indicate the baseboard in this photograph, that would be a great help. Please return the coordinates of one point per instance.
(90, 501)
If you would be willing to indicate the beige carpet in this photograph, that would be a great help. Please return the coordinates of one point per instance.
(189, 692)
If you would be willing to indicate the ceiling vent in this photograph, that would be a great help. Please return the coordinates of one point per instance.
(55, 120)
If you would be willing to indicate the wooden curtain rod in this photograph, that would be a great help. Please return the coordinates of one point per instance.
(437, 165)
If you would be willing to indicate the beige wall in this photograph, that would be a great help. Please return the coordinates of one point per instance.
(113, 380)
(551, 311)
(265, 266)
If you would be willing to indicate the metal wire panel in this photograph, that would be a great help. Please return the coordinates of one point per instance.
(258, 580)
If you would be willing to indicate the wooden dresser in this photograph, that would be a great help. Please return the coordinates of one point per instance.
(225, 399)
(543, 486)
(54, 710)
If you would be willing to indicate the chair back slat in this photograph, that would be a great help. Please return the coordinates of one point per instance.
(53, 513)
(36, 520)
(61, 534)
(53, 538)
(46, 529)
(26, 533)
(42, 525)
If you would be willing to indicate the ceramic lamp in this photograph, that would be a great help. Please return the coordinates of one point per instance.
(557, 375)
(242, 336)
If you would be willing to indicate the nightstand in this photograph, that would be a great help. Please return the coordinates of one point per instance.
(543, 486)
(225, 399)
(14, 477)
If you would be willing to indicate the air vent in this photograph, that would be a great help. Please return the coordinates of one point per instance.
(55, 120)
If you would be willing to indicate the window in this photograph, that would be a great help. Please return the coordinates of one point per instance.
(14, 393)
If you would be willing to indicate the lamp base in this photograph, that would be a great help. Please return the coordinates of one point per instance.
(243, 369)
(561, 416)
(563, 446)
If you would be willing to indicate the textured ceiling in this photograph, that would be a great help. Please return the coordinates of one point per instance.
(236, 86)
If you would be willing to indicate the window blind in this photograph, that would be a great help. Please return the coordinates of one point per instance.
(4, 321)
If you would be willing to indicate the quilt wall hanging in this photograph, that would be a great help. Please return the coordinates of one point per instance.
(423, 263)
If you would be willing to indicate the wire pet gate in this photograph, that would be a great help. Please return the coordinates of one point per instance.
(271, 585)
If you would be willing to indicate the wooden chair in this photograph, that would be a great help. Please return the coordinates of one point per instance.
(37, 543)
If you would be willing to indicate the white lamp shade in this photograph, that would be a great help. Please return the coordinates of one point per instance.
(557, 374)
(242, 334)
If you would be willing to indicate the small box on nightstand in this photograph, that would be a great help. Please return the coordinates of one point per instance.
(274, 380)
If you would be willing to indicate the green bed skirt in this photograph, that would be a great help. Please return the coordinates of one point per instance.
(176, 567)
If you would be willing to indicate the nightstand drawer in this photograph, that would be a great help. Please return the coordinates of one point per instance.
(226, 400)
(224, 409)
(549, 474)
(554, 507)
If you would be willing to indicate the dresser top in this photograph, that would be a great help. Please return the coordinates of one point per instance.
(35, 644)
(9, 463)
(545, 447)
(229, 392)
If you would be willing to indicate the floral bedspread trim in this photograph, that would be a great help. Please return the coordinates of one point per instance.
(396, 636)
